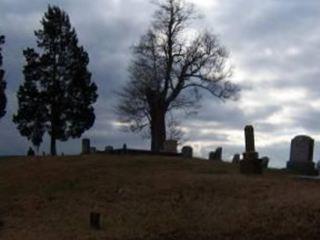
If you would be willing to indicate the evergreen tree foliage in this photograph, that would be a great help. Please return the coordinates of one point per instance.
(57, 93)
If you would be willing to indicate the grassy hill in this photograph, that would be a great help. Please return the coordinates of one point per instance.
(152, 198)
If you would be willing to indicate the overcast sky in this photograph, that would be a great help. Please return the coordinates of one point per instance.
(274, 47)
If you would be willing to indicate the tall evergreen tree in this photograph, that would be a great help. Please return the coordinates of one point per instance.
(3, 99)
(57, 93)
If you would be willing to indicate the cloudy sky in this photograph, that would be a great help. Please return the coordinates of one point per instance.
(274, 47)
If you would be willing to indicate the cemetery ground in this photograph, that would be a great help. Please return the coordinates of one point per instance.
(150, 197)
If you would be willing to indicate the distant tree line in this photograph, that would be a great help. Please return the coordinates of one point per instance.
(167, 70)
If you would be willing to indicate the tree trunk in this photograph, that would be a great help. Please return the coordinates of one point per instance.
(53, 148)
(158, 129)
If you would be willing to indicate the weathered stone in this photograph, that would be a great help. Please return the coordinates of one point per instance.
(108, 149)
(265, 162)
(95, 221)
(216, 155)
(170, 146)
(236, 159)
(93, 150)
(249, 139)
(301, 155)
(187, 152)
(212, 156)
(30, 152)
(85, 146)
(124, 149)
(251, 164)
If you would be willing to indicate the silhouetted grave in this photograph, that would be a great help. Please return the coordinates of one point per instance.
(30, 152)
(95, 221)
(236, 159)
(265, 162)
(93, 150)
(108, 149)
(251, 164)
(170, 146)
(86, 146)
(187, 152)
(216, 155)
(301, 155)
(124, 149)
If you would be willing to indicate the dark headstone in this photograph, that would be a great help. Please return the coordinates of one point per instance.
(301, 155)
(30, 152)
(187, 152)
(249, 139)
(251, 164)
(93, 150)
(108, 149)
(216, 155)
(236, 159)
(170, 146)
(95, 220)
(265, 162)
(124, 148)
(86, 149)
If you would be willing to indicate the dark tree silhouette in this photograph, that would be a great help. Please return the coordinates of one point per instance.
(57, 93)
(3, 99)
(169, 68)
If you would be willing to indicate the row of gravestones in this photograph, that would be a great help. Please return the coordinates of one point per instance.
(170, 146)
(301, 154)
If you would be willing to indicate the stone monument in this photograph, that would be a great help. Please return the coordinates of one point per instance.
(187, 152)
(216, 155)
(93, 150)
(108, 149)
(251, 164)
(265, 162)
(301, 155)
(236, 159)
(86, 146)
(170, 146)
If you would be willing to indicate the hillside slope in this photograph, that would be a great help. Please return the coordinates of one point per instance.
(151, 198)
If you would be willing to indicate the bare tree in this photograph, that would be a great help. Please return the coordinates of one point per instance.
(169, 68)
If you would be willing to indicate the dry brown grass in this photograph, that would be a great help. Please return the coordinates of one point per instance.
(152, 198)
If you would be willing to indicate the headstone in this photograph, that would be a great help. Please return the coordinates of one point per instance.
(187, 152)
(265, 162)
(86, 146)
(216, 155)
(124, 148)
(301, 155)
(93, 150)
(108, 149)
(251, 164)
(170, 146)
(236, 159)
(318, 167)
(95, 220)
(30, 152)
